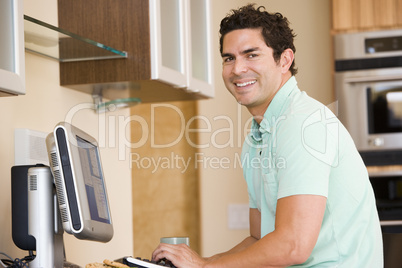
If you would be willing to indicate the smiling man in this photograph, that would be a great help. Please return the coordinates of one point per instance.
(250, 71)
(317, 210)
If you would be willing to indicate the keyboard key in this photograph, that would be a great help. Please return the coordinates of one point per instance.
(144, 263)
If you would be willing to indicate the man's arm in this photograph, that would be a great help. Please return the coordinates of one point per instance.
(193, 260)
(255, 235)
(297, 226)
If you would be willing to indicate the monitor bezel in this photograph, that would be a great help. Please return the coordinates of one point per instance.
(89, 229)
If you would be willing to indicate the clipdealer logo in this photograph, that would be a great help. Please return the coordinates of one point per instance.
(114, 132)
(328, 150)
(202, 160)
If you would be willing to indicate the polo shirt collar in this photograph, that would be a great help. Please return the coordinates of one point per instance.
(274, 110)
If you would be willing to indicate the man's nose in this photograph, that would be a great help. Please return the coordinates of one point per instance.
(239, 66)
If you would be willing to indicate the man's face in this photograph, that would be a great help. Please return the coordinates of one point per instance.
(249, 70)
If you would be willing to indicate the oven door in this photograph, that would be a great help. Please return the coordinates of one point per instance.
(388, 194)
(370, 107)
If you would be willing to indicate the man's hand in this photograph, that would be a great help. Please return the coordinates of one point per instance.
(180, 255)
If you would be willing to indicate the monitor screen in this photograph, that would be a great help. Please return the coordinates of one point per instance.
(93, 178)
(80, 184)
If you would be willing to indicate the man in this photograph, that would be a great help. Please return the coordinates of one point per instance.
(311, 202)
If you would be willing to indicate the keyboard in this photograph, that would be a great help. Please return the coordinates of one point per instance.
(143, 263)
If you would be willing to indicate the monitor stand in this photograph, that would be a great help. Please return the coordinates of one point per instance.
(43, 219)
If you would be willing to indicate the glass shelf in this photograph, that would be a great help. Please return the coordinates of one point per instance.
(50, 41)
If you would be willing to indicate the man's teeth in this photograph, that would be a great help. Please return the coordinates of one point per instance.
(245, 83)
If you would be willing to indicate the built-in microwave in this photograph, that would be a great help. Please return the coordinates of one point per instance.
(370, 106)
(368, 83)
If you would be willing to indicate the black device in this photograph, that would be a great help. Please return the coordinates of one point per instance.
(19, 207)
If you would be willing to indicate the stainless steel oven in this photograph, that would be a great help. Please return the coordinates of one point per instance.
(368, 84)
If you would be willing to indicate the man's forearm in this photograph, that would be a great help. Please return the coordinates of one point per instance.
(297, 227)
(270, 251)
(239, 247)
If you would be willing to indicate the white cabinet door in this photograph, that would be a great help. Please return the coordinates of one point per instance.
(199, 45)
(168, 46)
(12, 55)
(181, 44)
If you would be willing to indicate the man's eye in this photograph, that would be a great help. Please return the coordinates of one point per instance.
(252, 55)
(228, 59)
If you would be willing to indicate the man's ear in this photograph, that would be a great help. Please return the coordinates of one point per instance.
(287, 58)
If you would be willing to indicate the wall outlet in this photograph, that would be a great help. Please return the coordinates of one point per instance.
(238, 216)
(30, 147)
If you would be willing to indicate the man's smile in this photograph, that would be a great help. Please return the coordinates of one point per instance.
(243, 84)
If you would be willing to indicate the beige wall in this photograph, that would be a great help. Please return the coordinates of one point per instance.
(44, 105)
(222, 186)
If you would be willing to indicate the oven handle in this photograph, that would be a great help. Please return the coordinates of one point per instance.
(391, 223)
(372, 78)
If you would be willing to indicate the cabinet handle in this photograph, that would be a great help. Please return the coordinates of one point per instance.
(362, 79)
(390, 223)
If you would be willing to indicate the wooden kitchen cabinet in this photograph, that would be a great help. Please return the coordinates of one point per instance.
(362, 15)
(168, 43)
(399, 12)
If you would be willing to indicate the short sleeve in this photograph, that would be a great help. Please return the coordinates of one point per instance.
(308, 147)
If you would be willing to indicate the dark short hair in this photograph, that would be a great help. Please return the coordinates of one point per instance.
(274, 28)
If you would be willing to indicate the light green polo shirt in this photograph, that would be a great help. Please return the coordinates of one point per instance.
(300, 147)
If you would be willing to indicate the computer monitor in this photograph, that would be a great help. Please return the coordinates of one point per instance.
(71, 191)
(80, 186)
